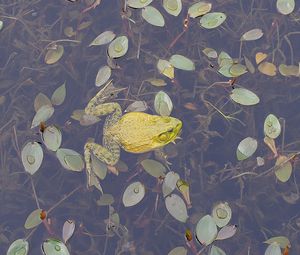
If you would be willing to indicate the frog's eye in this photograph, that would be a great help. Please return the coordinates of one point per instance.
(163, 137)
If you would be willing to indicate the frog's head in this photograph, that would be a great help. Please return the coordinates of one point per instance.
(139, 132)
(167, 129)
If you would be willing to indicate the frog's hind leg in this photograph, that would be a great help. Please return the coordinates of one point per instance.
(109, 153)
(96, 109)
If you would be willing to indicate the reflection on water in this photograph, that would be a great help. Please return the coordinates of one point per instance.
(46, 43)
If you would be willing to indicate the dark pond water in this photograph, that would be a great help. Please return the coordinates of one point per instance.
(262, 206)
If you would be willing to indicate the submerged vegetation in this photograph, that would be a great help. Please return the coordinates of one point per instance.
(225, 181)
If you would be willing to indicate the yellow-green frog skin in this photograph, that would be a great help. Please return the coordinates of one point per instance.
(135, 132)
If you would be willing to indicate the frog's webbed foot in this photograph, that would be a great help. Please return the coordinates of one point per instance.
(109, 156)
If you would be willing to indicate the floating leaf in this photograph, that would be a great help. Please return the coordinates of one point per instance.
(237, 70)
(42, 115)
(40, 100)
(138, 3)
(244, 96)
(1, 25)
(216, 251)
(210, 53)
(18, 247)
(137, 106)
(172, 7)
(53, 246)
(225, 71)
(70, 159)
(103, 38)
(259, 57)
(165, 68)
(249, 65)
(283, 168)
(157, 82)
(153, 16)
(199, 9)
(118, 47)
(285, 7)
(253, 34)
(281, 240)
(180, 250)
(224, 59)
(289, 70)
(33, 219)
(32, 157)
(52, 137)
(273, 249)
(54, 54)
(272, 127)
(182, 62)
(68, 230)
(99, 168)
(133, 194)
(267, 68)
(105, 199)
(206, 230)
(103, 75)
(184, 189)
(246, 148)
(59, 95)
(271, 144)
(212, 20)
(169, 183)
(221, 214)
(226, 232)
(176, 207)
(163, 104)
(154, 168)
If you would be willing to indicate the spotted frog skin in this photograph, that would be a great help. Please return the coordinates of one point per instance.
(135, 132)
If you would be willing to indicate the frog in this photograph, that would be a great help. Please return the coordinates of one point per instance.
(134, 132)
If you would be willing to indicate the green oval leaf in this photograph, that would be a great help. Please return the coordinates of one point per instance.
(53, 246)
(272, 127)
(172, 7)
(244, 96)
(70, 159)
(137, 4)
(176, 207)
(32, 157)
(199, 9)
(18, 247)
(182, 62)
(246, 148)
(153, 16)
(54, 54)
(154, 168)
(42, 115)
(33, 219)
(52, 137)
(206, 230)
(163, 104)
(59, 95)
(118, 47)
(285, 7)
(283, 168)
(212, 20)
(103, 38)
